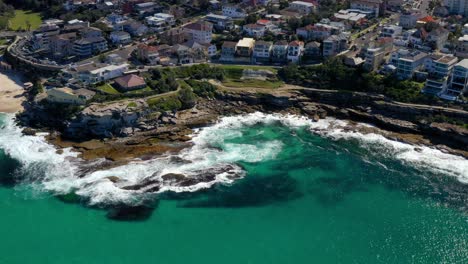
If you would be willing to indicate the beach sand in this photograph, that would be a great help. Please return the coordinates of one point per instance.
(11, 92)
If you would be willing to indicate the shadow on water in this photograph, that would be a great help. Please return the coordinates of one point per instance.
(8, 167)
(414, 183)
(251, 191)
(119, 212)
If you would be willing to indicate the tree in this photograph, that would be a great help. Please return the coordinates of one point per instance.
(187, 97)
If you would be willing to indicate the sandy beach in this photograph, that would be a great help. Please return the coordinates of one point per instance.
(11, 92)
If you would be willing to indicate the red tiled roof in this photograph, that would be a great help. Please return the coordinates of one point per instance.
(296, 43)
(129, 81)
(427, 19)
(263, 21)
(200, 26)
(148, 48)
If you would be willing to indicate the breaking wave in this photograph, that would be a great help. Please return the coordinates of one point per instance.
(212, 159)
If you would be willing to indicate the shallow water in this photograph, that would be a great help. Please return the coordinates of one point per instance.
(310, 192)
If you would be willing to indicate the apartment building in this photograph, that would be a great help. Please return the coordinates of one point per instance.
(439, 68)
(375, 53)
(200, 31)
(233, 11)
(262, 50)
(391, 31)
(295, 51)
(302, 7)
(377, 7)
(87, 47)
(254, 30)
(335, 44)
(245, 47)
(407, 62)
(220, 22)
(459, 7)
(458, 82)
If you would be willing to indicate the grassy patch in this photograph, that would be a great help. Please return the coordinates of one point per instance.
(25, 20)
(234, 74)
(132, 105)
(140, 91)
(251, 67)
(166, 103)
(238, 83)
(108, 89)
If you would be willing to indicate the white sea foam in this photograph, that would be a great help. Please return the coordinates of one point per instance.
(58, 172)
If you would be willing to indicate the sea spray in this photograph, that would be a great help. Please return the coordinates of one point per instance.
(212, 151)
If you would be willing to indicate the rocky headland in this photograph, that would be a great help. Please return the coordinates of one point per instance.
(121, 133)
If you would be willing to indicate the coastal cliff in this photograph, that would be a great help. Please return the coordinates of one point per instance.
(136, 123)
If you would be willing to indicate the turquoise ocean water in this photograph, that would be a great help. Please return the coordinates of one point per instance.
(325, 197)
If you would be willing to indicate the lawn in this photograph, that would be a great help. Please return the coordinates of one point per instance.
(139, 91)
(23, 18)
(252, 83)
(108, 89)
(234, 74)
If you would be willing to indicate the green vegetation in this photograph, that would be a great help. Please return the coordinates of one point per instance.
(132, 105)
(107, 88)
(333, 74)
(166, 103)
(25, 20)
(234, 75)
(140, 91)
(202, 89)
(200, 71)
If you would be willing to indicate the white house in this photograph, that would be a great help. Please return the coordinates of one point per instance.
(200, 31)
(295, 51)
(233, 11)
(254, 30)
(120, 37)
(303, 7)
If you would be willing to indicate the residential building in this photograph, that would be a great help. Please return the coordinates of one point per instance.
(262, 50)
(200, 31)
(375, 53)
(302, 7)
(220, 22)
(254, 30)
(130, 82)
(353, 17)
(335, 44)
(174, 36)
(148, 54)
(67, 95)
(391, 31)
(462, 47)
(212, 50)
(146, 9)
(279, 51)
(90, 32)
(228, 50)
(458, 82)
(312, 50)
(437, 38)
(314, 32)
(377, 7)
(233, 11)
(407, 62)
(92, 73)
(439, 68)
(135, 29)
(245, 47)
(156, 24)
(86, 47)
(408, 19)
(120, 37)
(184, 54)
(459, 7)
(168, 18)
(295, 51)
(61, 46)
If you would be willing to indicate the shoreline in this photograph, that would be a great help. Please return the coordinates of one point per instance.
(12, 93)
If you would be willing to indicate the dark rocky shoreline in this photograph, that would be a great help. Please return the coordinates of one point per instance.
(140, 133)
